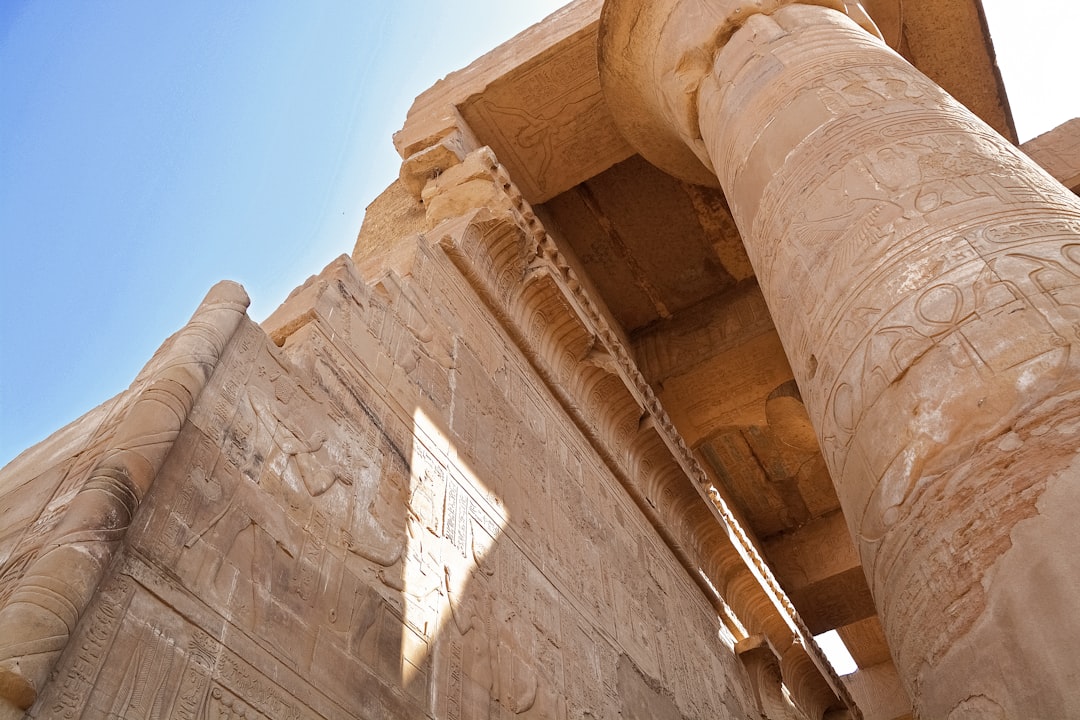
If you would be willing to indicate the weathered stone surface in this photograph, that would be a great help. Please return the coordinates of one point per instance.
(935, 361)
(820, 570)
(50, 595)
(879, 687)
(714, 545)
(536, 100)
(948, 41)
(652, 259)
(393, 215)
(866, 642)
(564, 460)
(376, 508)
(1058, 151)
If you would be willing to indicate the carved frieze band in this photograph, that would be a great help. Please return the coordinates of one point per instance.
(520, 273)
(56, 588)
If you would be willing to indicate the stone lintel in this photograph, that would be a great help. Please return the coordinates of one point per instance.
(715, 324)
(814, 552)
(835, 601)
(431, 112)
(876, 684)
(819, 568)
(1058, 152)
(536, 99)
(866, 642)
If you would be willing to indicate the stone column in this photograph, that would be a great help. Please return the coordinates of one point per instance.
(924, 277)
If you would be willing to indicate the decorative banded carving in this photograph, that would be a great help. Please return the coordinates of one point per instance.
(53, 593)
(923, 278)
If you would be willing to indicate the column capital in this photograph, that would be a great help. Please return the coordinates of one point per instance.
(653, 55)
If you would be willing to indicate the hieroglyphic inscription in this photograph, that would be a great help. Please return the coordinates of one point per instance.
(453, 695)
(548, 119)
(223, 705)
(930, 357)
(310, 560)
(256, 690)
(456, 517)
(84, 656)
(202, 652)
(150, 679)
(488, 523)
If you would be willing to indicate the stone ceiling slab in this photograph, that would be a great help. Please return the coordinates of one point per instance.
(547, 120)
(650, 259)
(536, 99)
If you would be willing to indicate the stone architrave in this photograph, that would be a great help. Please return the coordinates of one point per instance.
(924, 277)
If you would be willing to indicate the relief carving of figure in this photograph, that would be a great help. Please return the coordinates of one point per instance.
(307, 455)
(497, 655)
(376, 527)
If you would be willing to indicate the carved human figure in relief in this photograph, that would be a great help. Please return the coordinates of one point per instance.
(410, 336)
(306, 454)
(497, 656)
(317, 477)
(516, 682)
(376, 526)
(471, 619)
(148, 681)
(522, 686)
(372, 527)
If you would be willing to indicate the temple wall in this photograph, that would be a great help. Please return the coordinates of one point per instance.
(438, 481)
(37, 486)
(389, 515)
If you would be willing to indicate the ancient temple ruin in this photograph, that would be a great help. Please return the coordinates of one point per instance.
(691, 330)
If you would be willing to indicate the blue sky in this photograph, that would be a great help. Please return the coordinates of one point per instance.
(149, 149)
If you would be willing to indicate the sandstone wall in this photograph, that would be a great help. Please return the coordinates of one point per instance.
(37, 486)
(389, 515)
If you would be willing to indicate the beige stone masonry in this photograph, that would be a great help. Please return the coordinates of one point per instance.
(536, 100)
(571, 437)
(1058, 151)
(518, 270)
(48, 600)
(377, 508)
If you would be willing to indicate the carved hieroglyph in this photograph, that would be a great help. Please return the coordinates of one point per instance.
(392, 515)
(521, 274)
(924, 277)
